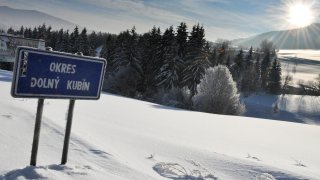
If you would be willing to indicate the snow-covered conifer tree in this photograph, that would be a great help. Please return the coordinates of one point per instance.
(182, 41)
(108, 52)
(196, 59)
(127, 56)
(182, 35)
(167, 76)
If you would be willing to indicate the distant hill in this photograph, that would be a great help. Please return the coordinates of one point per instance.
(14, 18)
(301, 38)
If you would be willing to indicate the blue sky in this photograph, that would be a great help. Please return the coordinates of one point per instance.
(227, 19)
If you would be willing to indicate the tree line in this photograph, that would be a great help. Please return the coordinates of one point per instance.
(64, 40)
(175, 60)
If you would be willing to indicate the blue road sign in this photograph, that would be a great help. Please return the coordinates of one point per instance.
(50, 74)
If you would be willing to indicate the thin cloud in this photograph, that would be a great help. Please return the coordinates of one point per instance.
(221, 18)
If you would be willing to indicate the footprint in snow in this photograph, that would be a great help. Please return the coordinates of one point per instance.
(253, 157)
(8, 116)
(299, 163)
(150, 157)
(265, 176)
(178, 172)
(100, 153)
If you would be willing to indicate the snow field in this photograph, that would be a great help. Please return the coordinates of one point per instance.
(122, 138)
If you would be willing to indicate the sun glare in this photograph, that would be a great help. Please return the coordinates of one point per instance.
(300, 15)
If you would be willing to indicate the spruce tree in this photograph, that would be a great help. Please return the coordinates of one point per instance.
(267, 48)
(53, 39)
(213, 56)
(248, 74)
(35, 33)
(127, 53)
(249, 57)
(42, 31)
(21, 32)
(133, 56)
(265, 67)
(167, 76)
(248, 80)
(181, 38)
(108, 52)
(144, 48)
(128, 78)
(25, 33)
(274, 79)
(28, 33)
(121, 48)
(59, 41)
(10, 31)
(48, 36)
(257, 77)
(152, 61)
(93, 43)
(238, 67)
(239, 59)
(66, 45)
(196, 59)
(74, 40)
(83, 43)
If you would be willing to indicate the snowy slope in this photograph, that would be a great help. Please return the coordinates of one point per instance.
(121, 138)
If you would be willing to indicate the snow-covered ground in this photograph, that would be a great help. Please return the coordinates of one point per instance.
(303, 65)
(122, 138)
(292, 108)
(301, 53)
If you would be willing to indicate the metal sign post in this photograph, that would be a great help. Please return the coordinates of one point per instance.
(50, 74)
(67, 134)
(37, 126)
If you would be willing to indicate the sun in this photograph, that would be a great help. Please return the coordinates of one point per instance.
(300, 15)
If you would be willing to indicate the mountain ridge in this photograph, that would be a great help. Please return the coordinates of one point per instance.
(15, 18)
(298, 38)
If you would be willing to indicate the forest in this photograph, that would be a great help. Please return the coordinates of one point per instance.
(176, 67)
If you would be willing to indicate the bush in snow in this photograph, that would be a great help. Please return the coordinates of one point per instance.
(174, 97)
(123, 82)
(217, 93)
